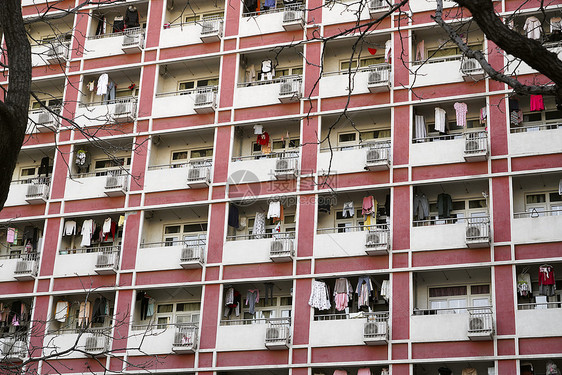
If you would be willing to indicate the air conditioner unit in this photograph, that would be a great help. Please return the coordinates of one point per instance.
(185, 340)
(211, 30)
(37, 193)
(115, 185)
(198, 177)
(95, 343)
(124, 111)
(475, 147)
(471, 70)
(290, 91)
(376, 243)
(286, 168)
(277, 337)
(378, 81)
(132, 42)
(480, 327)
(205, 101)
(377, 159)
(45, 118)
(281, 250)
(13, 350)
(378, 6)
(57, 54)
(106, 264)
(477, 234)
(191, 257)
(42, 121)
(25, 270)
(375, 333)
(293, 19)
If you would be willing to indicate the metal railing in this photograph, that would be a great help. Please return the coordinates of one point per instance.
(532, 128)
(379, 5)
(358, 228)
(105, 173)
(194, 22)
(290, 86)
(27, 264)
(211, 25)
(204, 97)
(131, 31)
(438, 137)
(191, 164)
(378, 152)
(450, 310)
(33, 180)
(85, 250)
(437, 60)
(295, 77)
(37, 190)
(287, 235)
(278, 330)
(97, 340)
(201, 240)
(452, 220)
(116, 181)
(353, 147)
(187, 91)
(192, 253)
(539, 305)
(277, 9)
(242, 322)
(534, 213)
(480, 320)
(475, 142)
(379, 74)
(369, 316)
(124, 99)
(471, 66)
(185, 335)
(282, 244)
(19, 252)
(273, 155)
(107, 259)
(478, 229)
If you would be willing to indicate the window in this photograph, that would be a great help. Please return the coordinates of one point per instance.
(51, 103)
(181, 158)
(345, 224)
(199, 17)
(448, 50)
(280, 307)
(287, 225)
(189, 85)
(464, 208)
(102, 167)
(458, 297)
(126, 93)
(547, 117)
(278, 145)
(352, 138)
(281, 72)
(538, 203)
(177, 313)
(344, 64)
(173, 234)
(27, 172)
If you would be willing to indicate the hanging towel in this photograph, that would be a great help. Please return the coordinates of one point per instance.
(61, 311)
(368, 206)
(274, 210)
(440, 119)
(103, 81)
(11, 235)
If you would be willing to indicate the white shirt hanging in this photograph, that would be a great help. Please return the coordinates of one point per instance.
(440, 116)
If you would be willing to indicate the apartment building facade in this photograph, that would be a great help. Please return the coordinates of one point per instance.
(227, 193)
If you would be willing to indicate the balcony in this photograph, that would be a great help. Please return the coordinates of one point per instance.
(451, 233)
(341, 329)
(377, 8)
(90, 342)
(282, 247)
(43, 120)
(536, 226)
(544, 138)
(268, 92)
(97, 185)
(262, 167)
(286, 168)
(364, 80)
(117, 111)
(26, 267)
(472, 323)
(101, 260)
(273, 334)
(378, 156)
(111, 44)
(155, 339)
(116, 183)
(476, 146)
(471, 70)
(194, 175)
(352, 241)
(530, 318)
(336, 12)
(437, 71)
(272, 21)
(13, 349)
(29, 191)
(186, 102)
(186, 254)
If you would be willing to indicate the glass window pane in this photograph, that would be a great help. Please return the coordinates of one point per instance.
(296, 71)
(187, 85)
(202, 153)
(347, 137)
(278, 145)
(167, 308)
(555, 197)
(536, 198)
(25, 172)
(172, 229)
(179, 155)
(477, 203)
(194, 227)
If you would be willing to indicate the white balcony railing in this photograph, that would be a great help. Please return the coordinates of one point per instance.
(379, 78)
(211, 29)
(185, 338)
(97, 341)
(378, 156)
(480, 323)
(38, 190)
(26, 267)
(277, 334)
(375, 331)
(476, 146)
(107, 262)
(282, 247)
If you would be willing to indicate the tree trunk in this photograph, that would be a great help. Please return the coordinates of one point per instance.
(14, 109)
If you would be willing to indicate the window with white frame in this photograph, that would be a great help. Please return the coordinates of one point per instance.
(546, 117)
(282, 72)
(364, 62)
(103, 167)
(176, 313)
(452, 127)
(346, 223)
(462, 208)
(354, 137)
(51, 103)
(182, 157)
(279, 145)
(199, 83)
(537, 203)
(200, 17)
(458, 297)
(449, 49)
(288, 224)
(180, 233)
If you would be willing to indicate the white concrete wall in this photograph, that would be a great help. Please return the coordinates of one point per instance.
(338, 85)
(347, 161)
(440, 152)
(437, 73)
(180, 35)
(241, 337)
(258, 170)
(539, 322)
(433, 237)
(246, 251)
(85, 188)
(425, 5)
(152, 342)
(176, 105)
(337, 332)
(344, 11)
(339, 244)
(538, 229)
(535, 142)
(16, 196)
(166, 179)
(108, 46)
(255, 96)
(261, 24)
(75, 264)
(57, 343)
(8, 267)
(39, 54)
(441, 327)
(158, 258)
(94, 115)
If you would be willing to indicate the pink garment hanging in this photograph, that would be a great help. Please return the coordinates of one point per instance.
(364, 371)
(11, 235)
(420, 51)
(537, 103)
(341, 300)
(368, 205)
(461, 109)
